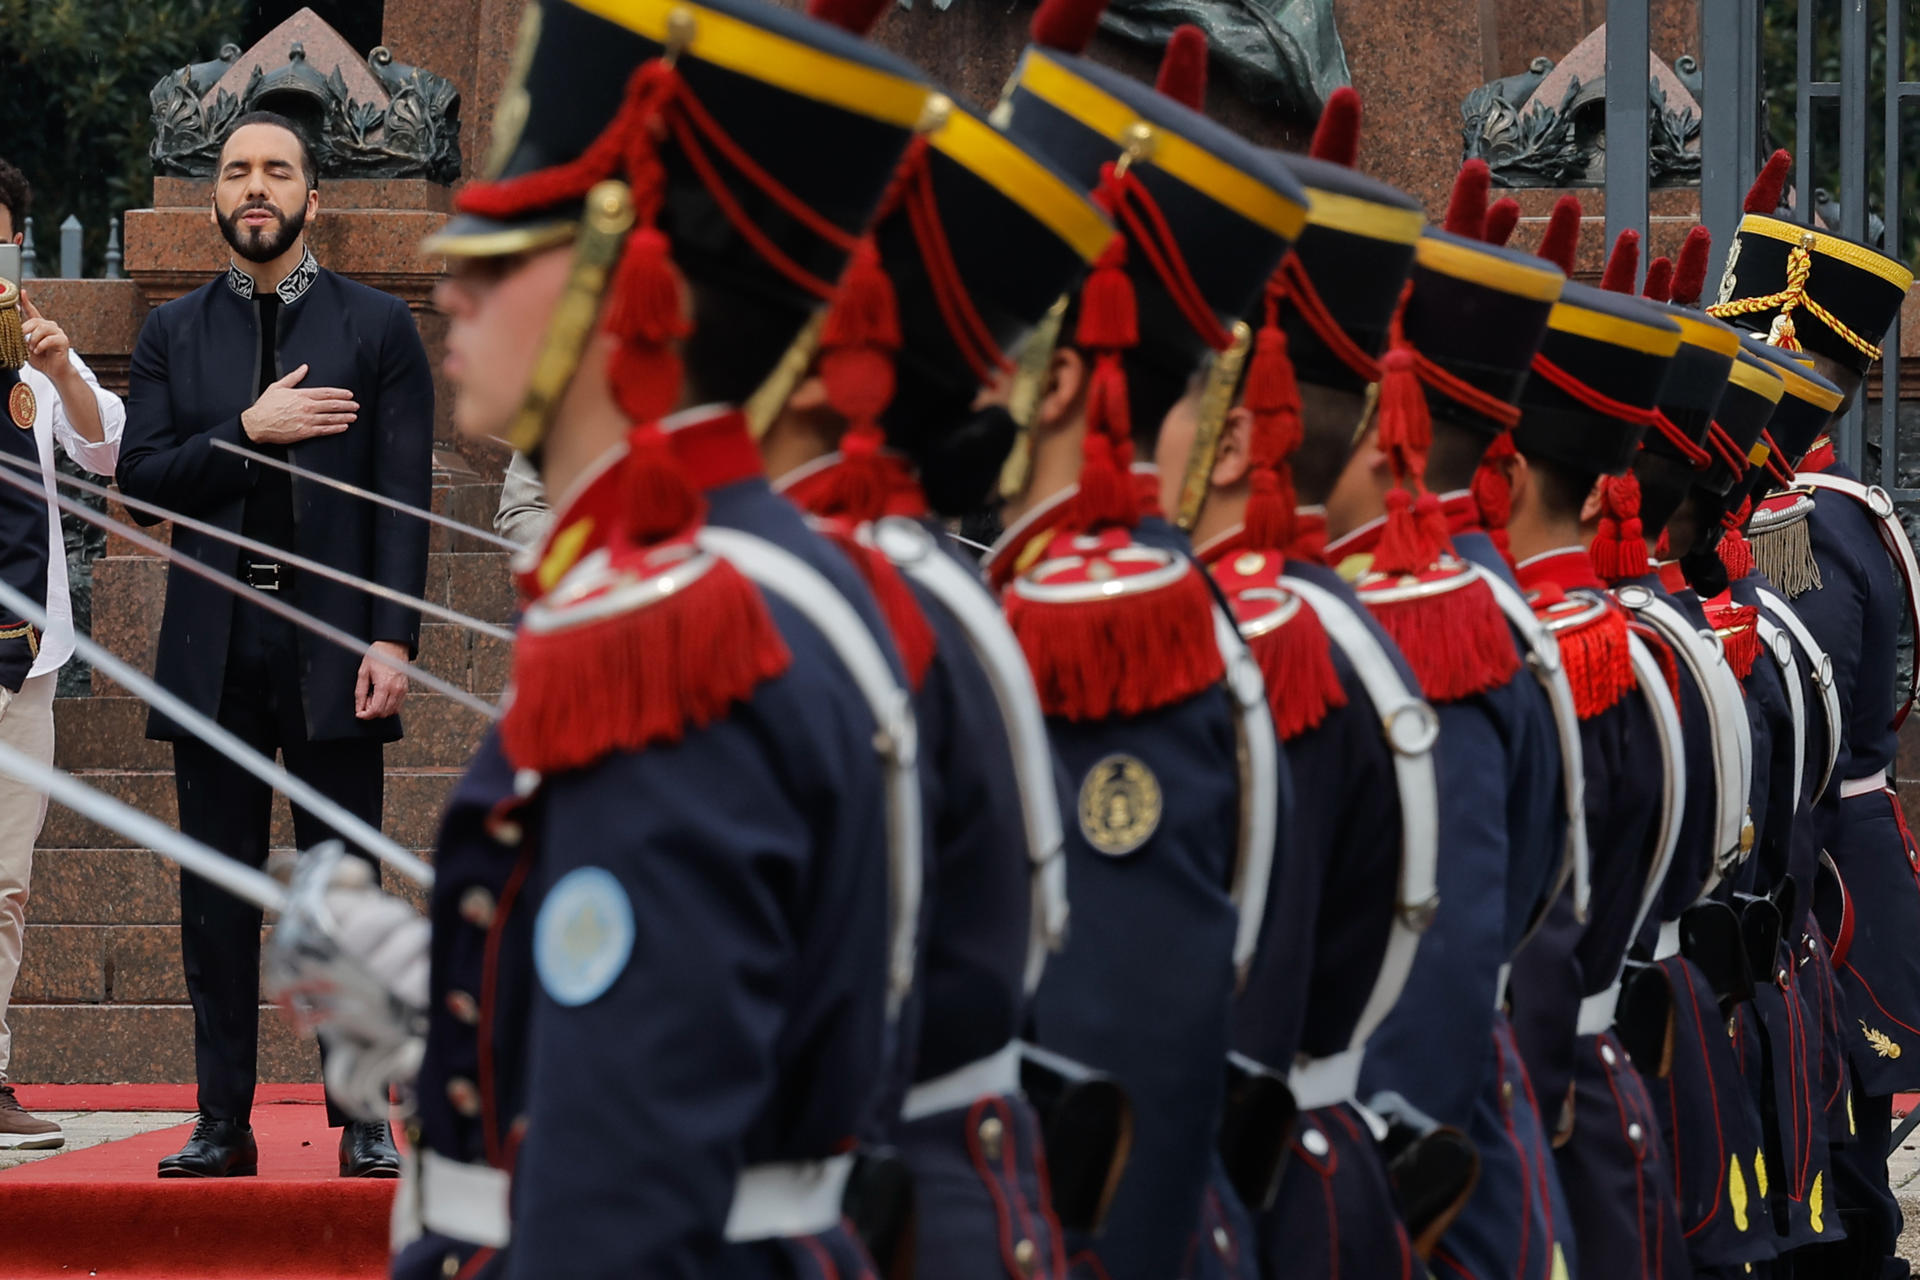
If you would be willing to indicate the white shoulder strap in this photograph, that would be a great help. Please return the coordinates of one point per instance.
(1820, 669)
(1893, 537)
(1706, 661)
(912, 549)
(1259, 755)
(1652, 680)
(776, 570)
(1411, 729)
(1543, 659)
(1781, 649)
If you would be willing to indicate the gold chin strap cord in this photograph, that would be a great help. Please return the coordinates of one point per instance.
(1023, 396)
(1781, 332)
(603, 230)
(13, 339)
(1216, 401)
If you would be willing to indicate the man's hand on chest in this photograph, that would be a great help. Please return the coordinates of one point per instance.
(287, 413)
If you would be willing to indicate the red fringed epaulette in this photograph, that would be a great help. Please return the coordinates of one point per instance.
(1664, 655)
(1286, 638)
(1736, 554)
(635, 648)
(1592, 634)
(1447, 625)
(1111, 628)
(913, 636)
(1737, 625)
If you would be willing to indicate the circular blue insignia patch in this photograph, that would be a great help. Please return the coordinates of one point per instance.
(583, 936)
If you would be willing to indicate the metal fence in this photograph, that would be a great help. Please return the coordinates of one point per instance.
(69, 259)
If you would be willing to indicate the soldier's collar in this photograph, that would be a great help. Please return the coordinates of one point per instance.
(1672, 579)
(291, 288)
(1568, 568)
(1361, 541)
(712, 445)
(1820, 456)
(805, 486)
(1461, 511)
(1020, 544)
(585, 518)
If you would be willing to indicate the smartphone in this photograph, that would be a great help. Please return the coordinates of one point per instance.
(10, 263)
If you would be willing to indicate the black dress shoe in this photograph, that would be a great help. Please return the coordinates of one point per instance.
(217, 1149)
(366, 1151)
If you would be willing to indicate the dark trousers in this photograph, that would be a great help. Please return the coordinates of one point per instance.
(223, 806)
(1867, 1207)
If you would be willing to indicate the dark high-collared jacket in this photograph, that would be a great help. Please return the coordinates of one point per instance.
(193, 373)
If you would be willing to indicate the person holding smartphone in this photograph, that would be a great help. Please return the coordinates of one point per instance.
(52, 397)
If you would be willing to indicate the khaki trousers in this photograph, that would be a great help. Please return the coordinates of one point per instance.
(27, 727)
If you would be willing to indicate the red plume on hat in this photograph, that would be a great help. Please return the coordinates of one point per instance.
(1336, 139)
(1561, 242)
(1502, 217)
(1467, 207)
(1764, 195)
(1690, 275)
(1183, 68)
(1659, 283)
(1067, 25)
(857, 16)
(1623, 264)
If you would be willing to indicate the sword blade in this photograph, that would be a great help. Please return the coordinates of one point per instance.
(210, 731)
(379, 499)
(278, 554)
(325, 630)
(238, 879)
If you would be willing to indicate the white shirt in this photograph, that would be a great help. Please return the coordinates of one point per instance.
(50, 423)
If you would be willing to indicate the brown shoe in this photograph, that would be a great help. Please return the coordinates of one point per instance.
(22, 1130)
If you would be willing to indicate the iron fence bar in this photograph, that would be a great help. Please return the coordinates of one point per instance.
(1628, 49)
(1721, 109)
(1853, 183)
(1805, 13)
(1890, 223)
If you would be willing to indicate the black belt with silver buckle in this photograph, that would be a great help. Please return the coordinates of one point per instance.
(264, 575)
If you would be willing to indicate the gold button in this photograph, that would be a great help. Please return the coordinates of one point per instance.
(450, 1265)
(463, 1007)
(1506, 1093)
(1636, 1135)
(1222, 1242)
(991, 1131)
(1024, 1256)
(1248, 563)
(505, 831)
(1606, 1054)
(464, 1096)
(476, 907)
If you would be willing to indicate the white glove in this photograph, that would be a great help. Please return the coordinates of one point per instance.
(383, 932)
(6, 698)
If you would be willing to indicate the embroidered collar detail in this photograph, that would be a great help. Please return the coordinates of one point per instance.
(289, 290)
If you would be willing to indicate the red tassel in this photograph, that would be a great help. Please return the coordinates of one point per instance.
(1561, 242)
(1736, 553)
(1493, 495)
(857, 16)
(1764, 195)
(1406, 543)
(646, 311)
(1067, 25)
(857, 342)
(1467, 206)
(1303, 685)
(1659, 285)
(641, 677)
(1502, 217)
(1120, 655)
(1336, 139)
(1619, 549)
(1108, 325)
(913, 636)
(1404, 421)
(1737, 627)
(1457, 642)
(1183, 68)
(1623, 264)
(1598, 662)
(1272, 396)
(1109, 318)
(658, 500)
(1690, 275)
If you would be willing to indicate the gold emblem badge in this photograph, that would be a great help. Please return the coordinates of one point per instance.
(1119, 805)
(1737, 1192)
(1817, 1204)
(21, 406)
(1883, 1044)
(1760, 1173)
(1727, 281)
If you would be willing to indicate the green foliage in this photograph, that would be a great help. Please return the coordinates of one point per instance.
(74, 79)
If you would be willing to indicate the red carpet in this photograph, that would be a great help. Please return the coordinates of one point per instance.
(102, 1212)
(146, 1097)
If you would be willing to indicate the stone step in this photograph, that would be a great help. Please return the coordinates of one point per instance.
(414, 800)
(71, 1043)
(127, 887)
(109, 732)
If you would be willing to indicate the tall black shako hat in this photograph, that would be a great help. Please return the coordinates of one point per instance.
(978, 238)
(1205, 218)
(1807, 402)
(1753, 391)
(1697, 378)
(1806, 289)
(750, 146)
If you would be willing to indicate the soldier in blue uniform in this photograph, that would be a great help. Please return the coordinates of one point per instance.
(1579, 432)
(711, 851)
(1152, 701)
(982, 240)
(1353, 872)
(1834, 299)
(1457, 355)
